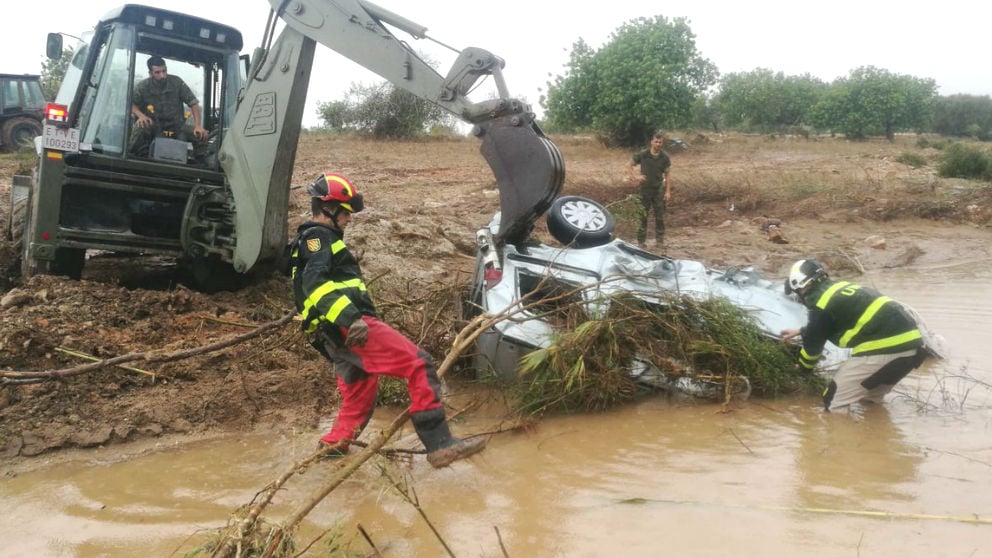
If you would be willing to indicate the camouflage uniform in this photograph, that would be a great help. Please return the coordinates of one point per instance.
(163, 103)
(652, 191)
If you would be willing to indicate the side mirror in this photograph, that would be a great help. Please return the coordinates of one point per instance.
(53, 46)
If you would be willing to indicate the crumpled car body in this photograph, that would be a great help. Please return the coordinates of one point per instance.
(608, 266)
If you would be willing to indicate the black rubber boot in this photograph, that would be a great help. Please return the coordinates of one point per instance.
(443, 449)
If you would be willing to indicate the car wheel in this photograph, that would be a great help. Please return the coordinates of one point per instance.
(580, 222)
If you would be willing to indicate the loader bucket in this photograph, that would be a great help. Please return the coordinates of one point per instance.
(529, 172)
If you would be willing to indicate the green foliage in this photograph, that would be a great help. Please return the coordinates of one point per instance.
(739, 347)
(647, 76)
(706, 113)
(763, 101)
(585, 370)
(392, 392)
(710, 341)
(805, 189)
(570, 97)
(964, 161)
(337, 115)
(914, 160)
(923, 142)
(974, 130)
(384, 111)
(52, 73)
(875, 102)
(964, 116)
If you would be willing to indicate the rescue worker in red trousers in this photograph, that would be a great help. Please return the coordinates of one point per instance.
(340, 317)
(885, 341)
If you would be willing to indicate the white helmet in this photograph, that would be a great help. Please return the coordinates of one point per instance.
(803, 274)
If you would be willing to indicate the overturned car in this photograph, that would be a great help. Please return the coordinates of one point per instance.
(512, 269)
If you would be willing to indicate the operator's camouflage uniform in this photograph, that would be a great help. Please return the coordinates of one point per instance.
(163, 102)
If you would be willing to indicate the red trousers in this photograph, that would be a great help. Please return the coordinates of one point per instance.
(387, 352)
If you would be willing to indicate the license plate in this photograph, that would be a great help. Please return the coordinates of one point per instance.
(60, 139)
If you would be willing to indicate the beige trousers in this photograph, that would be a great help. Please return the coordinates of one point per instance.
(848, 384)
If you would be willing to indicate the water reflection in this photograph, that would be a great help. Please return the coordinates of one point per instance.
(853, 464)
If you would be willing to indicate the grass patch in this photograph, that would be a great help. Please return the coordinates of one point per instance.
(914, 160)
(586, 368)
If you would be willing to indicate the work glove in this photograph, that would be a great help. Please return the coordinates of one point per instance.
(358, 334)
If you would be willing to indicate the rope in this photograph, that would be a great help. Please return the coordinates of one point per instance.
(975, 519)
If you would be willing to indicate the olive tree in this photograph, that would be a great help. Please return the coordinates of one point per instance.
(964, 115)
(384, 111)
(53, 72)
(336, 115)
(765, 101)
(646, 76)
(873, 101)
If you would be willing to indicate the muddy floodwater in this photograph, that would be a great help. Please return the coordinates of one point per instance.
(657, 478)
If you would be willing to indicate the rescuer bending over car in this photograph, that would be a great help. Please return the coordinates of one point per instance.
(886, 343)
(340, 318)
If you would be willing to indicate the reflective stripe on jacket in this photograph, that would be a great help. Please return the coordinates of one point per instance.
(855, 317)
(327, 281)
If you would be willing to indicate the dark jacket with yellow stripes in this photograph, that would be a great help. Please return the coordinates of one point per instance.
(855, 317)
(328, 286)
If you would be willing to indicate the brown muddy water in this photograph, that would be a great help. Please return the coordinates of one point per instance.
(658, 478)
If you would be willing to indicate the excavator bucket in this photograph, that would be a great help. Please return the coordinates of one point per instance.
(529, 171)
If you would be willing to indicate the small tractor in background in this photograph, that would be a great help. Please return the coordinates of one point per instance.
(22, 108)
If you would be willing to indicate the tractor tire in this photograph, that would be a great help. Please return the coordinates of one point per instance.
(19, 132)
(11, 251)
(208, 274)
(14, 231)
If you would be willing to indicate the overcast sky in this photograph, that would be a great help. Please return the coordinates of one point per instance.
(946, 41)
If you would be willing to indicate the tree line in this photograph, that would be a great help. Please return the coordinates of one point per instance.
(650, 75)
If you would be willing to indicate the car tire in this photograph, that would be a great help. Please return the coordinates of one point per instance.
(580, 222)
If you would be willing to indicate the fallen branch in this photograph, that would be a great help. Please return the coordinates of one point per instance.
(409, 495)
(245, 540)
(239, 542)
(346, 468)
(92, 358)
(14, 376)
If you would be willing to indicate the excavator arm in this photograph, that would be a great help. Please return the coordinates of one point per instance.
(259, 148)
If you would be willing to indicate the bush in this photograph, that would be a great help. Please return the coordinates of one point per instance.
(939, 145)
(914, 160)
(963, 161)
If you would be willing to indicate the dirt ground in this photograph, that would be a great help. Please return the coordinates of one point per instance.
(425, 201)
